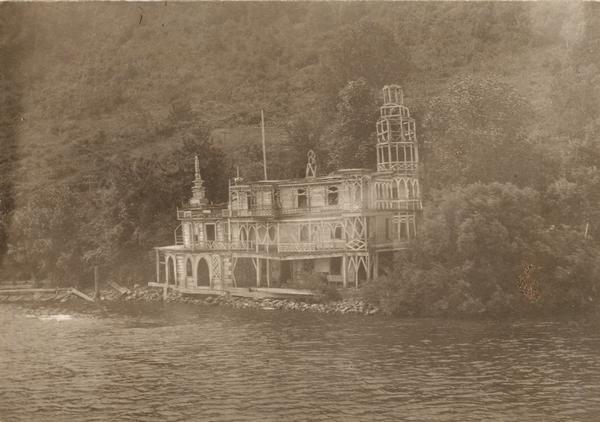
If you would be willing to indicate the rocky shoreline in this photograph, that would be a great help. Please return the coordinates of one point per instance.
(347, 306)
(155, 295)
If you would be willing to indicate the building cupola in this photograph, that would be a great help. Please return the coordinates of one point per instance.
(396, 137)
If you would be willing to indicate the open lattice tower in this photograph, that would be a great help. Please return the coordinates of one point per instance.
(396, 137)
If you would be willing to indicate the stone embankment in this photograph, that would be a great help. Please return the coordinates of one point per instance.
(347, 306)
(150, 295)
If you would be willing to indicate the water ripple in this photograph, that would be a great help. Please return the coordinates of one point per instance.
(183, 363)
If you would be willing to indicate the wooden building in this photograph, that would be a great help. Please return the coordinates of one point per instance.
(273, 231)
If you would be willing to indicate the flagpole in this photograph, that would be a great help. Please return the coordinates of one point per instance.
(264, 148)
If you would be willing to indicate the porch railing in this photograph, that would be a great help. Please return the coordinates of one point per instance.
(309, 246)
(398, 204)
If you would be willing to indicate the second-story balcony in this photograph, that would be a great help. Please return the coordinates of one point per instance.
(311, 210)
(253, 212)
(398, 204)
(252, 246)
(195, 213)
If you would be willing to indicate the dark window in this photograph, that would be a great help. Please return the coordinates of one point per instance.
(304, 234)
(251, 200)
(302, 198)
(188, 268)
(403, 229)
(411, 229)
(335, 266)
(402, 154)
(210, 231)
(332, 195)
(314, 235)
(337, 233)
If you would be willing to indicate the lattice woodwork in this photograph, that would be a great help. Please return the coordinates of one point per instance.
(215, 264)
(356, 233)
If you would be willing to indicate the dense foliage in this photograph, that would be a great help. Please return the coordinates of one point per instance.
(112, 221)
(488, 248)
(102, 107)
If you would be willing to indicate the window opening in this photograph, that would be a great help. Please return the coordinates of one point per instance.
(188, 268)
(210, 232)
(302, 198)
(332, 195)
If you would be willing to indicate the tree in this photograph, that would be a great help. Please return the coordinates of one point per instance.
(352, 141)
(45, 238)
(198, 142)
(477, 132)
(304, 134)
(486, 248)
(14, 39)
(364, 51)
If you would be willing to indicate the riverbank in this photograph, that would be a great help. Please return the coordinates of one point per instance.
(348, 305)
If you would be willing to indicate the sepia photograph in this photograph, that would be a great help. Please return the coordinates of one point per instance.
(299, 211)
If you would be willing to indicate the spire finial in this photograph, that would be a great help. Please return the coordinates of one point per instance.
(197, 167)
(198, 191)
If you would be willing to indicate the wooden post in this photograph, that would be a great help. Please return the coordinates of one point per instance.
(96, 283)
(344, 275)
(229, 232)
(175, 271)
(268, 273)
(257, 272)
(158, 268)
(264, 147)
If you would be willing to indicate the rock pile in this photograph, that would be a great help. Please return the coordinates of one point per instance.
(149, 295)
(349, 306)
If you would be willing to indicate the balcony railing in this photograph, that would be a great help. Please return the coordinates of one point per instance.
(310, 246)
(183, 214)
(199, 213)
(320, 209)
(255, 212)
(398, 204)
(380, 204)
(282, 247)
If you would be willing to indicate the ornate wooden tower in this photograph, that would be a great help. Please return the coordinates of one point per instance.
(396, 137)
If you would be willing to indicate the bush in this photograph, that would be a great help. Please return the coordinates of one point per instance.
(316, 282)
(485, 249)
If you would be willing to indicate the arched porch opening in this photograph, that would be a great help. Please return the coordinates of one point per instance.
(252, 237)
(243, 237)
(245, 272)
(171, 271)
(202, 273)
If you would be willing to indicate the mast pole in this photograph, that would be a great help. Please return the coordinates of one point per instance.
(262, 125)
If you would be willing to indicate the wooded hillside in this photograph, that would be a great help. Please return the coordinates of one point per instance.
(121, 76)
(101, 103)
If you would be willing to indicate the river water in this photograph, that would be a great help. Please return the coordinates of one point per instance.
(185, 363)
